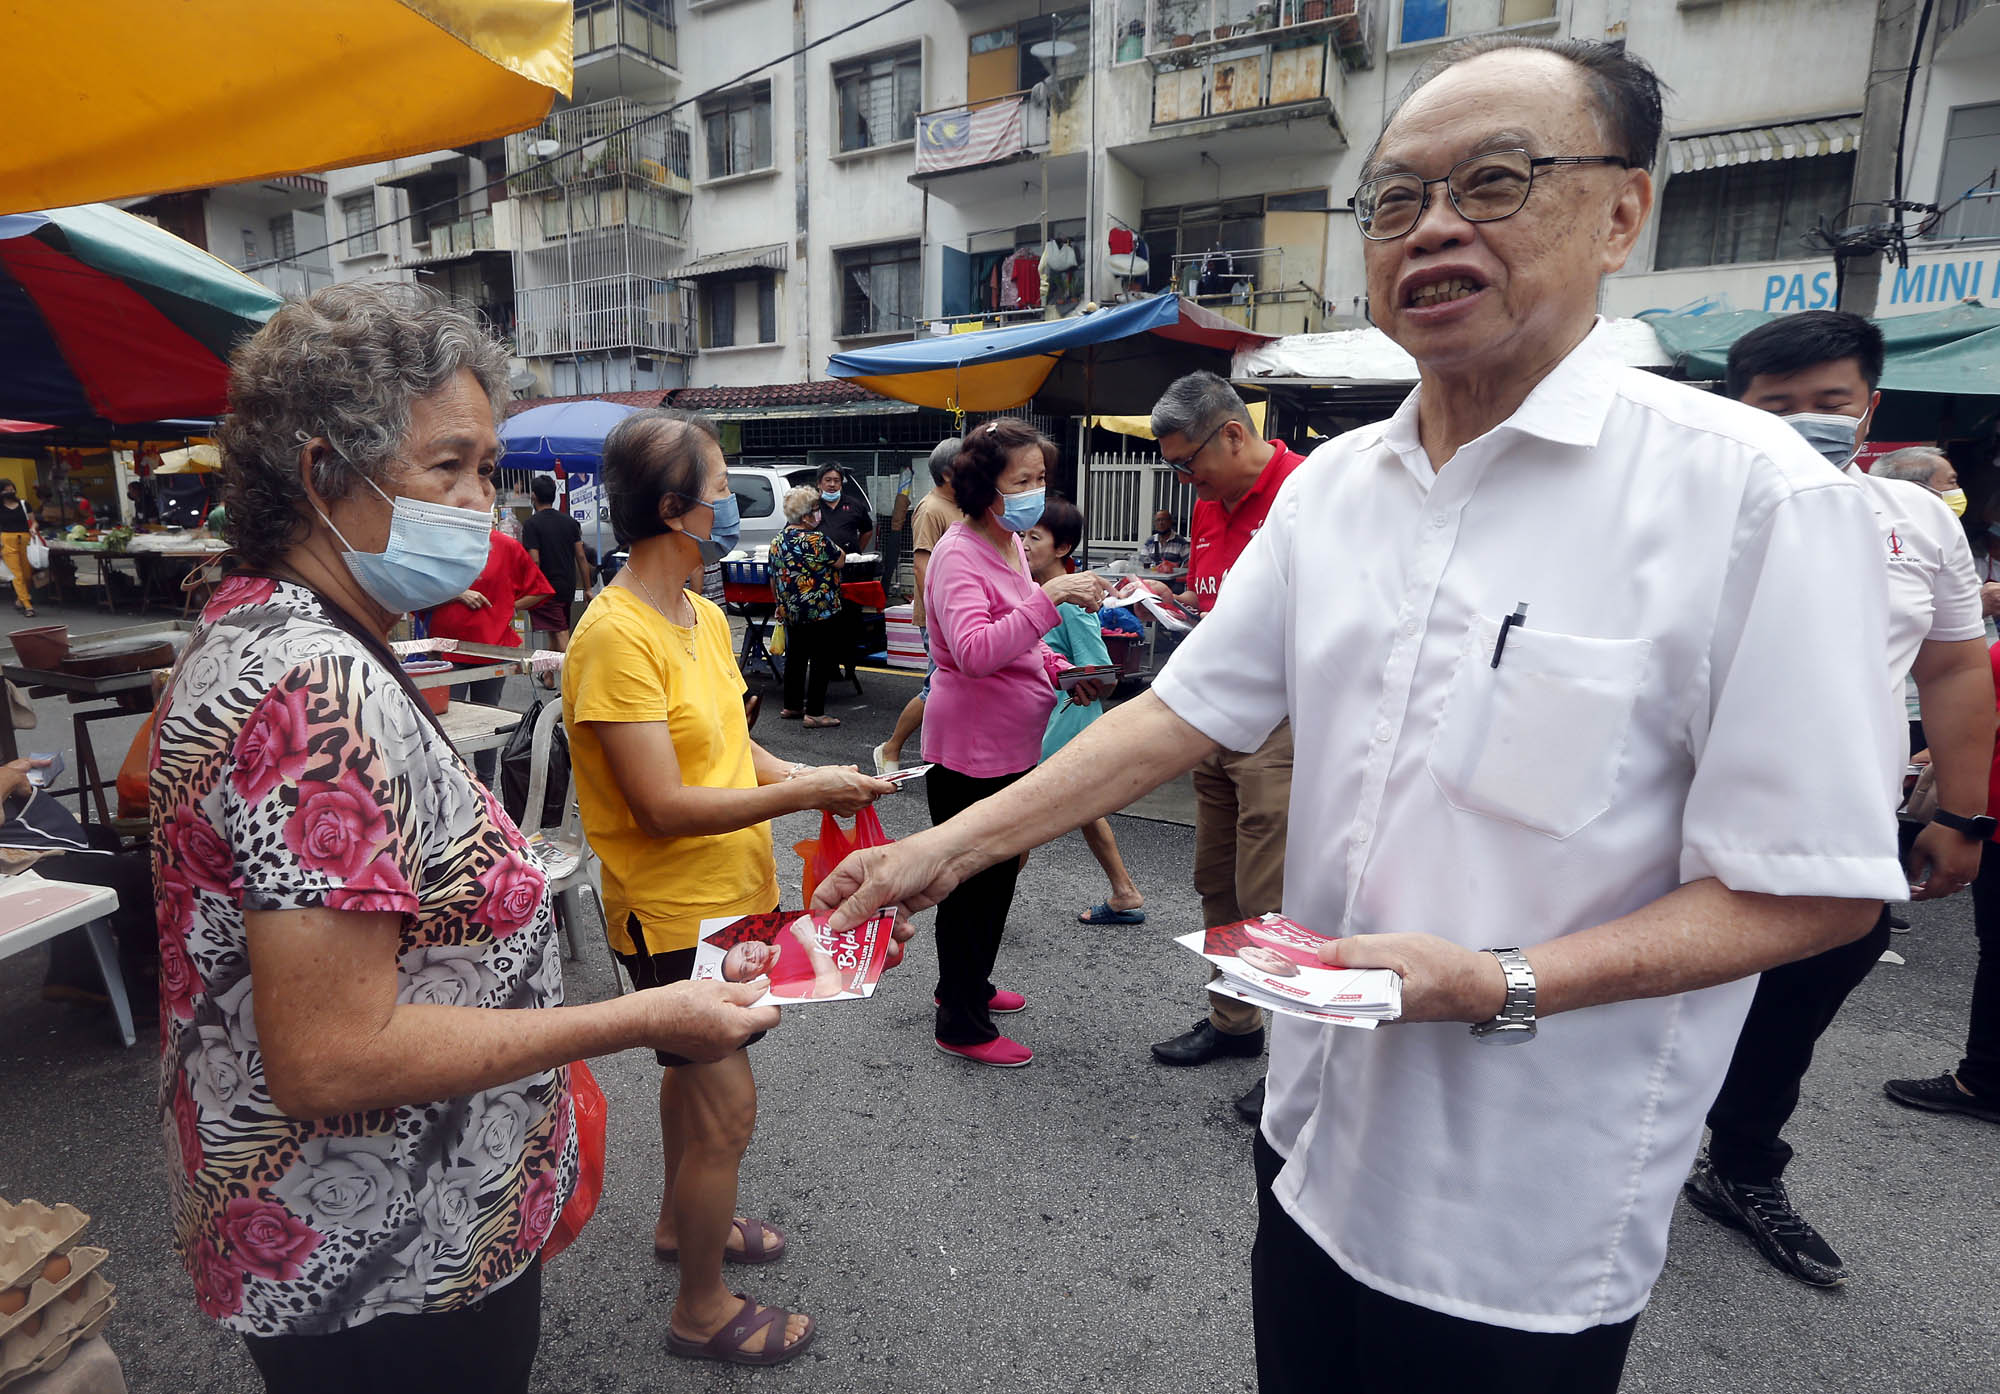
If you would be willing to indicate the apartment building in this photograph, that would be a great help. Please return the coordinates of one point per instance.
(831, 178)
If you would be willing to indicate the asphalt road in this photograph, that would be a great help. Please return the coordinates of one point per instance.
(1084, 1223)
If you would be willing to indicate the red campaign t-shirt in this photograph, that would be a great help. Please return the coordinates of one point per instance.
(1218, 535)
(510, 574)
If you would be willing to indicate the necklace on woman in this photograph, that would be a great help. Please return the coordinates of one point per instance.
(687, 640)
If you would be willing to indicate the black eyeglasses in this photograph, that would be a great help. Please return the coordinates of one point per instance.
(1484, 189)
(1185, 465)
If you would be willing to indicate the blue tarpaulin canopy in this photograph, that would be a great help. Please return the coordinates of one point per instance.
(997, 369)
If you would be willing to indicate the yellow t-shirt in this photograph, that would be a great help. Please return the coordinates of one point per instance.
(627, 663)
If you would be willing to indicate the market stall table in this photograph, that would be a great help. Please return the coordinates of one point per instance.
(472, 728)
(34, 910)
(127, 693)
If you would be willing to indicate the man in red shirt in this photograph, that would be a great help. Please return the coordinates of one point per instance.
(484, 614)
(1241, 801)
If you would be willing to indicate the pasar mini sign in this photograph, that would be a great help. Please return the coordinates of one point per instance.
(1933, 285)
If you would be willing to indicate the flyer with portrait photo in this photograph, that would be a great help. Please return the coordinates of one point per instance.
(803, 959)
(1277, 960)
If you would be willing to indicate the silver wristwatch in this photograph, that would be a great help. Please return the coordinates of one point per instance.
(1516, 1021)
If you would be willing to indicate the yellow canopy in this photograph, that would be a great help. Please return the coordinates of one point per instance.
(995, 386)
(1142, 426)
(195, 459)
(137, 97)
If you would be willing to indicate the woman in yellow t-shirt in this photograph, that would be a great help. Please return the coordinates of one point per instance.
(677, 802)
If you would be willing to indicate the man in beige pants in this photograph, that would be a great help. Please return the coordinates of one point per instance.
(1206, 435)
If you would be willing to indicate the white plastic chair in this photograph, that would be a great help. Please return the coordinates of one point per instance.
(563, 852)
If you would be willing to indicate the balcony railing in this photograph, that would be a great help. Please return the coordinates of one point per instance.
(1184, 30)
(616, 312)
(1235, 80)
(290, 278)
(1267, 288)
(449, 241)
(972, 134)
(617, 139)
(648, 29)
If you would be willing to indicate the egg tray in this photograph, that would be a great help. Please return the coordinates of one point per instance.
(30, 1232)
(77, 1317)
(43, 1289)
(93, 1322)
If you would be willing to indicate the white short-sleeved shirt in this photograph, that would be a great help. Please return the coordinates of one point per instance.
(1697, 692)
(1933, 585)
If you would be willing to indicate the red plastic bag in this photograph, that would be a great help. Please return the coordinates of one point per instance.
(591, 1111)
(825, 852)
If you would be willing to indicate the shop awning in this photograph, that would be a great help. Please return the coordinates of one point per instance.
(1955, 351)
(137, 97)
(772, 258)
(998, 369)
(1797, 141)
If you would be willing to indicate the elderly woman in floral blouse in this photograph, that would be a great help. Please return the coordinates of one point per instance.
(363, 1085)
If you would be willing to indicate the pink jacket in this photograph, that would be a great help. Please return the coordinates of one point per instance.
(995, 681)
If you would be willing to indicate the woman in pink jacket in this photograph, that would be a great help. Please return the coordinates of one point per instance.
(989, 704)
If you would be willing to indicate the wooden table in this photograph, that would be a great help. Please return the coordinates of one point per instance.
(77, 688)
(472, 728)
(34, 910)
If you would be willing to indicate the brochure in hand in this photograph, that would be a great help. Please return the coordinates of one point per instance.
(1170, 613)
(1069, 679)
(804, 960)
(1274, 962)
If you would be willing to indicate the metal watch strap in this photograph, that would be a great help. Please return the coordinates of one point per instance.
(1516, 1020)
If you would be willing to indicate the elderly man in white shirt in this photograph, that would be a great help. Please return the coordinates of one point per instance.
(1817, 372)
(1531, 634)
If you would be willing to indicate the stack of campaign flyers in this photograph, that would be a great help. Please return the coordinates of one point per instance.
(1272, 962)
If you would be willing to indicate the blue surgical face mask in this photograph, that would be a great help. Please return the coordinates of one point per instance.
(724, 528)
(434, 552)
(830, 495)
(1834, 436)
(1019, 512)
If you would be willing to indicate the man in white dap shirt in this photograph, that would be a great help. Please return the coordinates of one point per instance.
(1817, 372)
(1530, 633)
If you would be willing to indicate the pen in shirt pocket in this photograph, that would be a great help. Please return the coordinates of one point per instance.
(1519, 617)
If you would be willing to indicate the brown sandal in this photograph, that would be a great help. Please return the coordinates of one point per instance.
(754, 1249)
(821, 723)
(729, 1345)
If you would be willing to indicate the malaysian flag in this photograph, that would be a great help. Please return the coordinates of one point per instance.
(964, 137)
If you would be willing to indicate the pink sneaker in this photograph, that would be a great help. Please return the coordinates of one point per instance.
(999, 1051)
(1000, 1003)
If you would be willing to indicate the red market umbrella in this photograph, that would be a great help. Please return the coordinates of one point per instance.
(107, 318)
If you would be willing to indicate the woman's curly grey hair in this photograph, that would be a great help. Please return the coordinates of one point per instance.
(344, 365)
(800, 502)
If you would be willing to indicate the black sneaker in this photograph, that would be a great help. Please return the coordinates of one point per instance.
(1764, 1212)
(1204, 1043)
(1941, 1095)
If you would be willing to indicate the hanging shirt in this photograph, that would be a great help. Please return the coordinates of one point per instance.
(1697, 692)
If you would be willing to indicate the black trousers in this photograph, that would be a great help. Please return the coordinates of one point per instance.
(971, 919)
(1979, 1071)
(1793, 1007)
(812, 656)
(1319, 1329)
(487, 1348)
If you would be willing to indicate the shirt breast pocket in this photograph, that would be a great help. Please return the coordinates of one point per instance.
(1539, 740)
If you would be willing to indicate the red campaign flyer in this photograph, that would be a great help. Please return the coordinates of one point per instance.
(804, 961)
(1278, 959)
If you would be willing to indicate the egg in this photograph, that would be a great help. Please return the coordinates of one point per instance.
(12, 1301)
(57, 1268)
